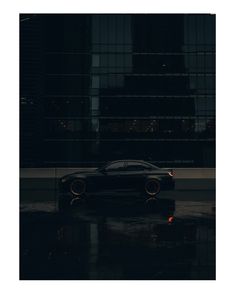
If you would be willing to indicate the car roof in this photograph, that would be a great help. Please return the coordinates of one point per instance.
(137, 161)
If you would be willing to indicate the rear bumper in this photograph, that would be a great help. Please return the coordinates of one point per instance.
(168, 184)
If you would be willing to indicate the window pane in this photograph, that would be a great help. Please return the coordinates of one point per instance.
(115, 167)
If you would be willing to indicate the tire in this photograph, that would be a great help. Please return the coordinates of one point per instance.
(78, 187)
(152, 187)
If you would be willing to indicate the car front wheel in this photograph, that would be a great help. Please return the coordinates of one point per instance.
(78, 187)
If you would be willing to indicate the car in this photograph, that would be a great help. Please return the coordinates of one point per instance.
(121, 175)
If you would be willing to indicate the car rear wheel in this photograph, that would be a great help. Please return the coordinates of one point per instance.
(152, 187)
(78, 187)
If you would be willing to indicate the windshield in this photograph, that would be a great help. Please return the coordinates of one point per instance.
(103, 167)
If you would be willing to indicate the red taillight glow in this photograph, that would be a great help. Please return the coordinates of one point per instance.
(171, 173)
(171, 219)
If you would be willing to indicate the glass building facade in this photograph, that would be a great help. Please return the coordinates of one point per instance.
(96, 88)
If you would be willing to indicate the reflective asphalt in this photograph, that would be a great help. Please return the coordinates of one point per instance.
(120, 241)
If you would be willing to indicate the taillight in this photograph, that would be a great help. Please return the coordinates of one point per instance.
(171, 173)
(171, 219)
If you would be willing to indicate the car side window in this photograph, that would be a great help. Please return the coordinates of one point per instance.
(119, 166)
(136, 167)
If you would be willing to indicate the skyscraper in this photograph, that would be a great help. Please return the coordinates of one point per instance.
(120, 86)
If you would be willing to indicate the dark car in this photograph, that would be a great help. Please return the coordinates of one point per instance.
(140, 176)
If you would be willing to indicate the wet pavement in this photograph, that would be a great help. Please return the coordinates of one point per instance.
(173, 240)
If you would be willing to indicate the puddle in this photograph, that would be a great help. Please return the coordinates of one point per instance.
(104, 246)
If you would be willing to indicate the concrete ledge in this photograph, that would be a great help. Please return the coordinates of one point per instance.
(193, 173)
(195, 184)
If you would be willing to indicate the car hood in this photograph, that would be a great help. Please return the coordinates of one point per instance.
(88, 171)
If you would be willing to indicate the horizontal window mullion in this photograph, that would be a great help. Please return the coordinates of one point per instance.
(127, 139)
(133, 74)
(129, 117)
(133, 53)
(131, 96)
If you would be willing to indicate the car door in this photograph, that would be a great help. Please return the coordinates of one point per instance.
(113, 178)
(134, 175)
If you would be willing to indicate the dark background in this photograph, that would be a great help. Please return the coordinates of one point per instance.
(103, 87)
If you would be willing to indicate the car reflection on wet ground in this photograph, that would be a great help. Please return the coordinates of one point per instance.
(172, 241)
